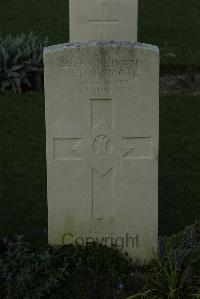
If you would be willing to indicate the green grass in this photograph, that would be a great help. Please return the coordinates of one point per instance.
(46, 17)
(172, 25)
(179, 188)
(23, 170)
(22, 166)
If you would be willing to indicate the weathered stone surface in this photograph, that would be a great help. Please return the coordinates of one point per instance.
(102, 110)
(103, 20)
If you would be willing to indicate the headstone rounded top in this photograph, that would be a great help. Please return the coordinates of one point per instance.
(97, 43)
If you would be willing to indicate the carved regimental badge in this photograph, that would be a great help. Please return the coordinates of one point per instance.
(102, 150)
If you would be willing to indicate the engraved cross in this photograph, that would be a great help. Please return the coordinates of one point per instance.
(102, 151)
(104, 22)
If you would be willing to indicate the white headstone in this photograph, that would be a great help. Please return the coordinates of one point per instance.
(102, 111)
(103, 20)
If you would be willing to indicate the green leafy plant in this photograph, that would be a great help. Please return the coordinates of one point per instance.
(174, 272)
(95, 271)
(92, 271)
(21, 63)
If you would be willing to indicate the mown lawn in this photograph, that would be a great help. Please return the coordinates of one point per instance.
(23, 170)
(172, 25)
(46, 17)
(179, 188)
(23, 208)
